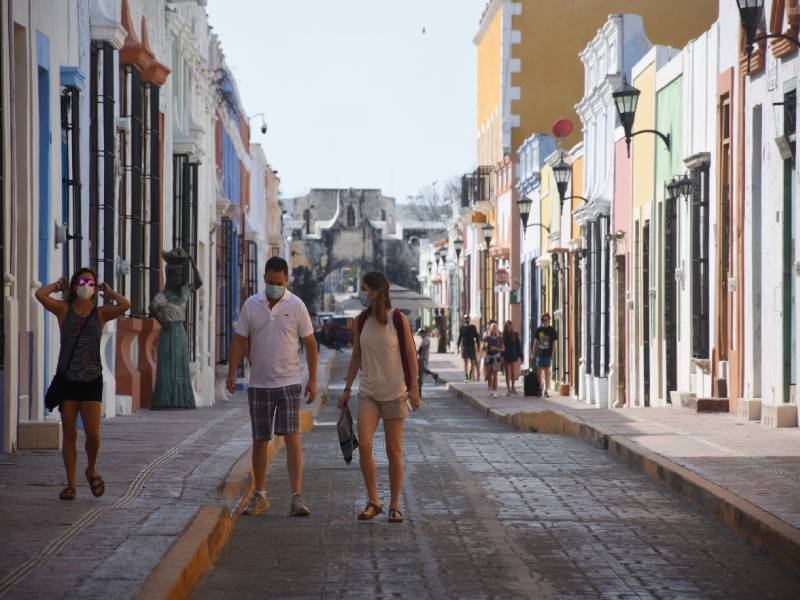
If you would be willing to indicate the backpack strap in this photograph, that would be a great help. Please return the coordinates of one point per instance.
(400, 327)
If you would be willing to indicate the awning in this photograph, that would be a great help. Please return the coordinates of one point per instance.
(406, 299)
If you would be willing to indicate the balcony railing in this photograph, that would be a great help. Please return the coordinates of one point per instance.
(476, 186)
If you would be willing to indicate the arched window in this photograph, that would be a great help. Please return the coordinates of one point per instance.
(351, 216)
(383, 215)
(307, 219)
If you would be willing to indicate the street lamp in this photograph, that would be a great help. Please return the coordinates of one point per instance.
(751, 14)
(562, 172)
(524, 204)
(458, 246)
(430, 267)
(442, 254)
(488, 230)
(686, 185)
(626, 98)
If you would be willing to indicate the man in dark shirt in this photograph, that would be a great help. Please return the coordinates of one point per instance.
(544, 347)
(468, 339)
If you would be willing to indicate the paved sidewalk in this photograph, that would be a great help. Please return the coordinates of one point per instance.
(490, 513)
(758, 465)
(160, 469)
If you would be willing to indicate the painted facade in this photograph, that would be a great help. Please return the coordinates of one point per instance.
(110, 108)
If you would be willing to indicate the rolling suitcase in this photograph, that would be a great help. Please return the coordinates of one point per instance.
(531, 384)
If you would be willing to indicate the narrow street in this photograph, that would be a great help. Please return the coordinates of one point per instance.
(490, 512)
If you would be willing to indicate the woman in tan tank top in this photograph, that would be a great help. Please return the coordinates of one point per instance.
(383, 391)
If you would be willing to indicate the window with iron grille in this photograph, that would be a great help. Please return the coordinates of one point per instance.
(133, 216)
(700, 262)
(484, 272)
(102, 216)
(184, 231)
(70, 179)
(2, 216)
(152, 223)
(224, 287)
(252, 269)
(606, 285)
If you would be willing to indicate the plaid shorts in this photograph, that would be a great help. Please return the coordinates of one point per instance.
(274, 410)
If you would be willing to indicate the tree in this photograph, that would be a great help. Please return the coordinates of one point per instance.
(437, 201)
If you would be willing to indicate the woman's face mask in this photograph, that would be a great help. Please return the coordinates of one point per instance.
(363, 297)
(84, 292)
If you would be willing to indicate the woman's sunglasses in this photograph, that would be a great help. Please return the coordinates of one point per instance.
(89, 282)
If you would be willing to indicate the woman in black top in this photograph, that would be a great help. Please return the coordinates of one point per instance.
(511, 357)
(81, 323)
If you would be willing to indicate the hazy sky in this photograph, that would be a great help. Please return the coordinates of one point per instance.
(355, 94)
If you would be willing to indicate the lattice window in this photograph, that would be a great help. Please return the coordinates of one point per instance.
(184, 231)
(224, 290)
(102, 211)
(70, 179)
(252, 268)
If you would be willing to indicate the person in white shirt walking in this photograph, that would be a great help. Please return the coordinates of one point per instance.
(270, 323)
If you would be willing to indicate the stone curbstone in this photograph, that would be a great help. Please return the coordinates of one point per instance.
(196, 550)
(758, 527)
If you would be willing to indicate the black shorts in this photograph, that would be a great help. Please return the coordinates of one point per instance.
(91, 391)
(469, 353)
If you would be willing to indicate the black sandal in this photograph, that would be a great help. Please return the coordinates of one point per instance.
(68, 493)
(395, 516)
(97, 484)
(370, 512)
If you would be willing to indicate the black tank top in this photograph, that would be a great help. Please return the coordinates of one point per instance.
(85, 365)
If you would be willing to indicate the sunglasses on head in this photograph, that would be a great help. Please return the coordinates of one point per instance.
(89, 282)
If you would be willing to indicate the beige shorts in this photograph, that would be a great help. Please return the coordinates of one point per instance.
(387, 410)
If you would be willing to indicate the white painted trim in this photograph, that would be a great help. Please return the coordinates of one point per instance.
(487, 18)
(669, 72)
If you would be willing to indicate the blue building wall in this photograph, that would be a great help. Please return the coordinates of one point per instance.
(45, 136)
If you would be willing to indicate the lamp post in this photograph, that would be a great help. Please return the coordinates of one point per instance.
(488, 230)
(524, 205)
(562, 172)
(458, 246)
(751, 14)
(626, 98)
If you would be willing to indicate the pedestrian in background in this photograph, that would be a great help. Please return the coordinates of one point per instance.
(81, 323)
(423, 356)
(545, 339)
(493, 351)
(512, 357)
(384, 352)
(270, 323)
(468, 340)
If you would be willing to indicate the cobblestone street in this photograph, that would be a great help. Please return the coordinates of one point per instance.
(490, 512)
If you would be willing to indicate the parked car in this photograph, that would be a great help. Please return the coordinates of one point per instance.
(338, 331)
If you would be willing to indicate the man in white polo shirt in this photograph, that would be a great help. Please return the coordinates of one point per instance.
(272, 322)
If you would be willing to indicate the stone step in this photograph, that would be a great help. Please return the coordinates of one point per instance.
(705, 405)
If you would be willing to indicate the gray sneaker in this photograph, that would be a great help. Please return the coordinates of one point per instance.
(298, 508)
(258, 505)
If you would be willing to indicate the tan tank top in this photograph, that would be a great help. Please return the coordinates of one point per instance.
(381, 366)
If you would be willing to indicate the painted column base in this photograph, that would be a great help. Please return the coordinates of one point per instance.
(220, 393)
(779, 415)
(683, 399)
(124, 405)
(600, 392)
(749, 409)
(39, 435)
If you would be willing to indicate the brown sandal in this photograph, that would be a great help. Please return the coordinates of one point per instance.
(68, 493)
(370, 512)
(395, 516)
(97, 484)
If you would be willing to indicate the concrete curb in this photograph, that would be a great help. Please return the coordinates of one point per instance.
(196, 550)
(760, 528)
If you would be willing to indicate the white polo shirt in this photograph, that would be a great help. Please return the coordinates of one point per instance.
(274, 338)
